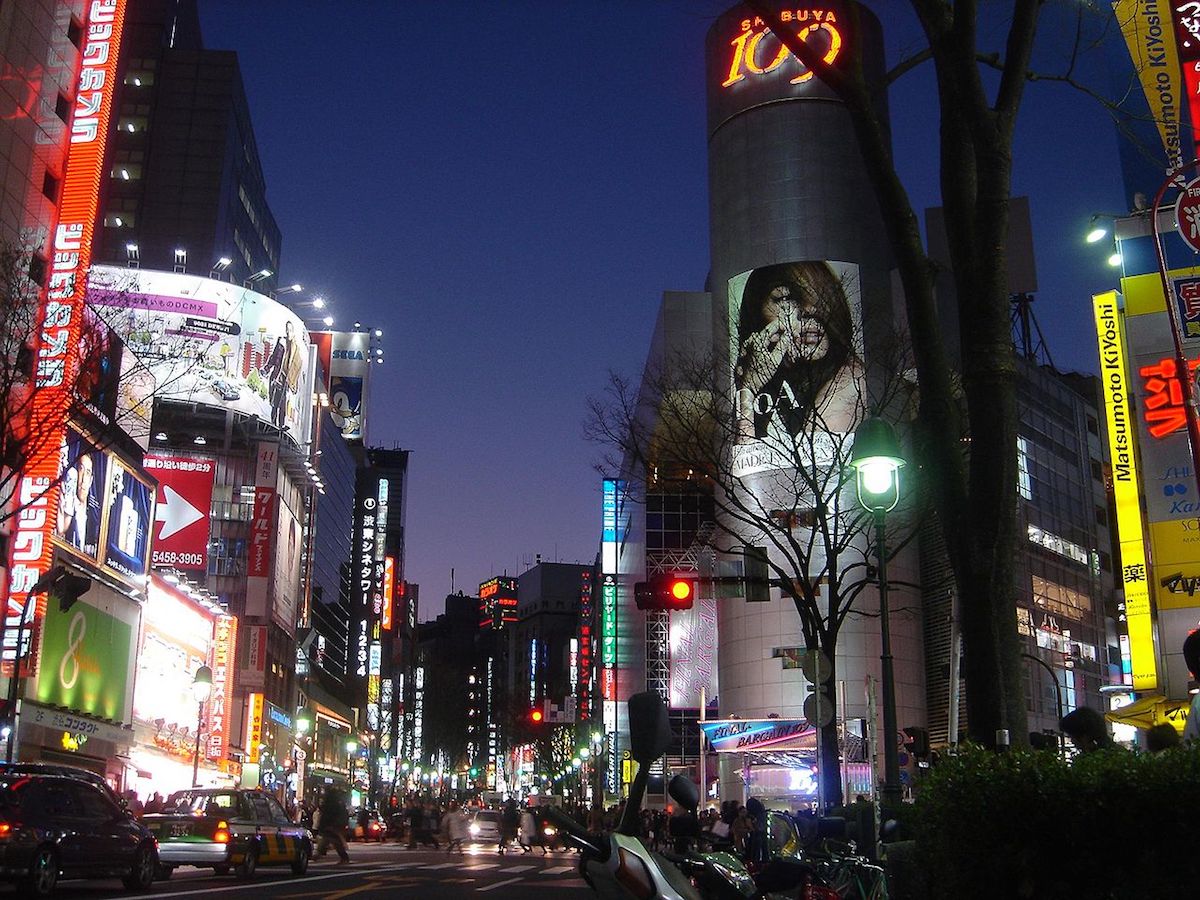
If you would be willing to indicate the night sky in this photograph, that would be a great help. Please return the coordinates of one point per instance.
(506, 189)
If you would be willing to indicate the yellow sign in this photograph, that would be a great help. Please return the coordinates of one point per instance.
(1150, 38)
(254, 723)
(1114, 379)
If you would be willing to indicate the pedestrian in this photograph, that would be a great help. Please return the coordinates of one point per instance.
(457, 827)
(510, 821)
(155, 803)
(1162, 736)
(333, 817)
(528, 832)
(414, 815)
(1191, 656)
(1086, 729)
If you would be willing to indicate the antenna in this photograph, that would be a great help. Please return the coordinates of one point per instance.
(1027, 333)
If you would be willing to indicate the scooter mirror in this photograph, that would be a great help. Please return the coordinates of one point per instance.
(649, 727)
(684, 792)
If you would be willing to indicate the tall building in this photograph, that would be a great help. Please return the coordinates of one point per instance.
(186, 188)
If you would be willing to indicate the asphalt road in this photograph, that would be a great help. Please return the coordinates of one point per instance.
(375, 870)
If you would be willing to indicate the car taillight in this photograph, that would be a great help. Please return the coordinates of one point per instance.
(5, 830)
(221, 835)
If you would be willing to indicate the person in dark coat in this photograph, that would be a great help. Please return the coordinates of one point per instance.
(334, 817)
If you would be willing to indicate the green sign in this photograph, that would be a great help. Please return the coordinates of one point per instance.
(85, 661)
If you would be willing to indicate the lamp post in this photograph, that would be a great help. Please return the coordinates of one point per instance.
(877, 461)
(303, 724)
(201, 688)
(352, 752)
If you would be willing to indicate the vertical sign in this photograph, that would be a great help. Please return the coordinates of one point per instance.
(224, 652)
(586, 625)
(254, 723)
(262, 528)
(1155, 59)
(60, 320)
(389, 592)
(1186, 16)
(1114, 380)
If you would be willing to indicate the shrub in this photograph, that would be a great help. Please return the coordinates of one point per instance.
(1112, 824)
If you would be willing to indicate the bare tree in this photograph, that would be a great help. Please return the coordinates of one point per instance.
(784, 489)
(979, 97)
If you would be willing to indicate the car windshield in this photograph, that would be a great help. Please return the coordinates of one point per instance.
(204, 804)
(487, 815)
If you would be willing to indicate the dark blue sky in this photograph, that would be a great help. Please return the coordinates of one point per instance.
(506, 188)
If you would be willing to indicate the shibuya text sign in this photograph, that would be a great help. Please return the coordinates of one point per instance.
(756, 51)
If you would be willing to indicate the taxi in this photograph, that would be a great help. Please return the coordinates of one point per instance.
(227, 829)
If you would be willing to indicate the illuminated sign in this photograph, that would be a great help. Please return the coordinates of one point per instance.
(1121, 436)
(185, 486)
(254, 725)
(608, 636)
(584, 660)
(497, 602)
(346, 361)
(389, 589)
(60, 321)
(86, 655)
(757, 51)
(1156, 60)
(760, 734)
(224, 651)
(1186, 17)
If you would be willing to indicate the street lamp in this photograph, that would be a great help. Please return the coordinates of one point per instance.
(876, 460)
(201, 688)
(303, 724)
(352, 752)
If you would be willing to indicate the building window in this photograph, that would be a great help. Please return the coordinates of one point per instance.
(37, 270)
(120, 220)
(139, 78)
(62, 108)
(1093, 426)
(132, 124)
(1101, 517)
(75, 33)
(1024, 482)
(126, 171)
(1097, 470)
(50, 186)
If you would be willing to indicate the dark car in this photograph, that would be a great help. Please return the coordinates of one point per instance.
(38, 768)
(227, 829)
(54, 826)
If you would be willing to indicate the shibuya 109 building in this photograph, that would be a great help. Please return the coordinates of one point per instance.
(791, 336)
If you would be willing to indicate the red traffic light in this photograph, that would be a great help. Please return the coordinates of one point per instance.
(666, 592)
(536, 716)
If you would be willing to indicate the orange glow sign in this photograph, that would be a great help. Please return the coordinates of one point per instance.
(254, 725)
(60, 320)
(389, 592)
(756, 51)
(224, 655)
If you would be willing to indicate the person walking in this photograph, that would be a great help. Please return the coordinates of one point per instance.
(528, 832)
(333, 819)
(510, 821)
(457, 827)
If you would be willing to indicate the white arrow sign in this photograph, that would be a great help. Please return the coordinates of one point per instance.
(175, 513)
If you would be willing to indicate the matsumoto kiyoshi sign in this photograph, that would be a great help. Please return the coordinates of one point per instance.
(86, 659)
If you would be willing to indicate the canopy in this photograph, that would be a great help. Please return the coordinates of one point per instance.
(1152, 710)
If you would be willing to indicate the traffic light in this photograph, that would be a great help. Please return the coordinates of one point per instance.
(666, 592)
(536, 716)
(918, 741)
(473, 772)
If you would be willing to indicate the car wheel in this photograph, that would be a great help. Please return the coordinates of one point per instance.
(141, 875)
(249, 864)
(300, 863)
(164, 873)
(43, 874)
(221, 870)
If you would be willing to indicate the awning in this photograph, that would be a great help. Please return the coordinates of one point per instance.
(1152, 710)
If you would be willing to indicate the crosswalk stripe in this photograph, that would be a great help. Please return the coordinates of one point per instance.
(441, 866)
(478, 866)
(517, 869)
(493, 886)
(558, 870)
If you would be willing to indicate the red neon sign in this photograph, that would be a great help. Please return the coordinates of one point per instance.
(1163, 407)
(60, 318)
(750, 59)
(389, 578)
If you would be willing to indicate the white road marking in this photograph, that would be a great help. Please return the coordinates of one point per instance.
(558, 870)
(517, 869)
(492, 887)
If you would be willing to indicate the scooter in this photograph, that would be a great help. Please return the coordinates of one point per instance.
(620, 865)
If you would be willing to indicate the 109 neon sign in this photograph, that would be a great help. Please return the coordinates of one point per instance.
(750, 57)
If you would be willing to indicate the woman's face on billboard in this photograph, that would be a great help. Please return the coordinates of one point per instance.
(793, 315)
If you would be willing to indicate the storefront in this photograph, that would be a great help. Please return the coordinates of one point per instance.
(179, 635)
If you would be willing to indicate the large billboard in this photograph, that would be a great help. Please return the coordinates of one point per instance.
(60, 318)
(212, 342)
(87, 655)
(345, 358)
(797, 346)
(185, 487)
(177, 639)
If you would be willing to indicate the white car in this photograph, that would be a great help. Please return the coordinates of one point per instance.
(485, 826)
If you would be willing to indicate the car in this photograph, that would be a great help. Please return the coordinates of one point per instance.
(485, 826)
(225, 390)
(56, 826)
(375, 828)
(39, 768)
(228, 829)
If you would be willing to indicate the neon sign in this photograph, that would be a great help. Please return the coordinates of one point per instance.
(815, 26)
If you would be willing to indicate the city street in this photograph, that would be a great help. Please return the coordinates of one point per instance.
(376, 870)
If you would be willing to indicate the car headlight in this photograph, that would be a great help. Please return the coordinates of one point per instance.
(474, 829)
(549, 832)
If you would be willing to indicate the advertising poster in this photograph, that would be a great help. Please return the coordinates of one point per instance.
(82, 476)
(797, 346)
(184, 500)
(220, 702)
(255, 672)
(130, 508)
(176, 641)
(693, 641)
(346, 361)
(260, 554)
(87, 655)
(209, 341)
(289, 547)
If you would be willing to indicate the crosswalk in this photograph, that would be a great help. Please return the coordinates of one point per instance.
(489, 876)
